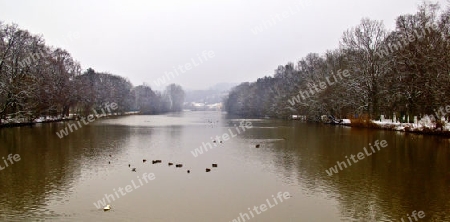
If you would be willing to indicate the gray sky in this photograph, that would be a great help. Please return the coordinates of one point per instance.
(142, 40)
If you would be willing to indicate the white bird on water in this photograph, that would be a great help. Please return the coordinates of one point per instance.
(108, 207)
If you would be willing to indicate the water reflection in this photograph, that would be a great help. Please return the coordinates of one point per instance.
(60, 178)
(412, 173)
(48, 167)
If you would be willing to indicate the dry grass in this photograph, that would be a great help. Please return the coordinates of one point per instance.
(363, 121)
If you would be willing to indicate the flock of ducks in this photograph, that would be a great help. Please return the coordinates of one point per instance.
(178, 165)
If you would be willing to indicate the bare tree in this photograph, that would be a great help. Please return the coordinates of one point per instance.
(363, 46)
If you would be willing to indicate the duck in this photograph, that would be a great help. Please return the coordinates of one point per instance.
(179, 165)
(109, 162)
(214, 165)
(108, 207)
(207, 169)
(170, 164)
(144, 160)
(134, 169)
(129, 165)
(257, 145)
(188, 171)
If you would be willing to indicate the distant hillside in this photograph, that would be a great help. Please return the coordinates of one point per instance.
(213, 95)
(223, 86)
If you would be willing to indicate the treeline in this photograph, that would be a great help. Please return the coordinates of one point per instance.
(405, 71)
(39, 80)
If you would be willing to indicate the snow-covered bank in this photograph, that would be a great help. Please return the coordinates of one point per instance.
(426, 125)
(17, 122)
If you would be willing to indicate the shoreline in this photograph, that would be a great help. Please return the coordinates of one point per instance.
(397, 127)
(31, 124)
(374, 125)
(405, 129)
(422, 127)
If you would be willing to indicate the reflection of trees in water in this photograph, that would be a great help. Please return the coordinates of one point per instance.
(48, 165)
(410, 174)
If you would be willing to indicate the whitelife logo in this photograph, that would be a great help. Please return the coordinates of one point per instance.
(263, 207)
(90, 119)
(11, 159)
(360, 156)
(278, 17)
(128, 188)
(316, 88)
(405, 40)
(208, 146)
(206, 55)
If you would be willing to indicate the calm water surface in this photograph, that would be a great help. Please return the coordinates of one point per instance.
(61, 179)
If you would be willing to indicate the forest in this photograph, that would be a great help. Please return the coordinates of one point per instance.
(405, 72)
(39, 80)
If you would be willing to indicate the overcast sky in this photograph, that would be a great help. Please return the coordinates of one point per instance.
(142, 40)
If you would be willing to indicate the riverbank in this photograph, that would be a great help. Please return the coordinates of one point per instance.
(21, 123)
(425, 126)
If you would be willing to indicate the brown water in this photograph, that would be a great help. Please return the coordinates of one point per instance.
(61, 179)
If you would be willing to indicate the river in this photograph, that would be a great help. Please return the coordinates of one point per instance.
(285, 179)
